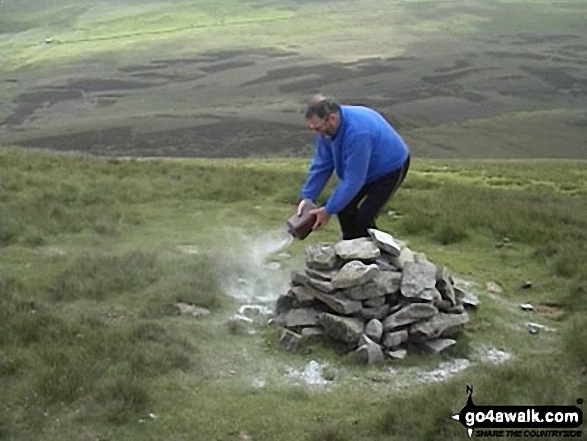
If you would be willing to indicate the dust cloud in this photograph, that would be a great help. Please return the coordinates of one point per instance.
(254, 273)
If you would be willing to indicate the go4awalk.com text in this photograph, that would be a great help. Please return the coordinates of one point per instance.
(521, 421)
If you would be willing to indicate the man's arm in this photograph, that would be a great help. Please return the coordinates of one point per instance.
(319, 172)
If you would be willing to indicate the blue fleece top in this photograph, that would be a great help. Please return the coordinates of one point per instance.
(364, 148)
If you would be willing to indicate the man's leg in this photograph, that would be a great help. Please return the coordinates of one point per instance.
(376, 195)
(348, 218)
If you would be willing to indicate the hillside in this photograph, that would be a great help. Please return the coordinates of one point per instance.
(97, 253)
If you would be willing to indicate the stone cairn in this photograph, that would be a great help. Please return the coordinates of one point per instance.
(375, 296)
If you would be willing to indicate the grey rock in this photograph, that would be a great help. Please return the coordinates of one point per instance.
(285, 302)
(397, 306)
(303, 295)
(374, 330)
(419, 280)
(320, 256)
(300, 278)
(457, 309)
(384, 283)
(339, 303)
(378, 313)
(324, 276)
(389, 282)
(374, 302)
(385, 265)
(436, 346)
(357, 249)
(343, 329)
(363, 340)
(354, 273)
(321, 285)
(466, 298)
(443, 305)
(385, 241)
(526, 307)
(400, 354)
(411, 313)
(367, 290)
(312, 333)
(299, 317)
(406, 256)
(289, 340)
(370, 353)
(444, 285)
(441, 325)
(394, 339)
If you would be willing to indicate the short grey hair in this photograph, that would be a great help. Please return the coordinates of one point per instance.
(321, 106)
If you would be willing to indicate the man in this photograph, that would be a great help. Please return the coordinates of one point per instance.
(370, 159)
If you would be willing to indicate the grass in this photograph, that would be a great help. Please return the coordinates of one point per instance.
(91, 343)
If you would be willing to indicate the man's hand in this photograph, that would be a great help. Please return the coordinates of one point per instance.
(301, 205)
(322, 217)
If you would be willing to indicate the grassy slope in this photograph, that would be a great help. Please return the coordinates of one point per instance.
(91, 266)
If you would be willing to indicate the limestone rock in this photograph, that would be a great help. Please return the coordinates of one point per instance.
(400, 354)
(374, 330)
(437, 346)
(299, 317)
(320, 256)
(324, 276)
(339, 303)
(444, 285)
(384, 265)
(367, 290)
(357, 249)
(419, 280)
(354, 273)
(343, 329)
(374, 302)
(385, 241)
(441, 325)
(312, 333)
(394, 339)
(379, 313)
(300, 278)
(369, 353)
(406, 256)
(414, 312)
(289, 340)
(303, 295)
(466, 298)
(388, 282)
(285, 302)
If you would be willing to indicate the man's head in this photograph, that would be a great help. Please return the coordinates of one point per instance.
(323, 115)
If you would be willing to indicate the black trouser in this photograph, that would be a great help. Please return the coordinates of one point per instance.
(361, 212)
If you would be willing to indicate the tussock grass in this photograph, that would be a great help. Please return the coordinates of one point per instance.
(96, 276)
(422, 415)
(63, 361)
(94, 331)
(194, 281)
(55, 196)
